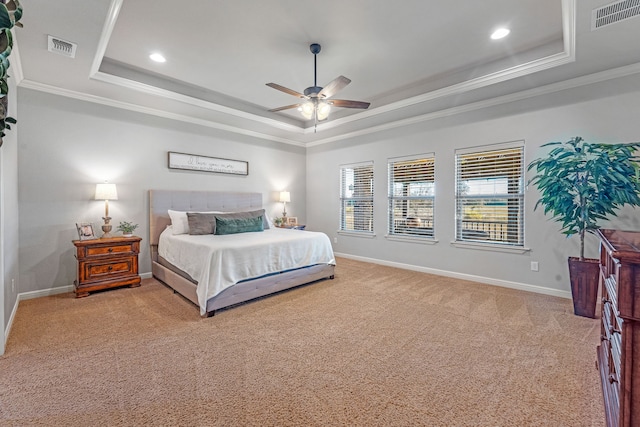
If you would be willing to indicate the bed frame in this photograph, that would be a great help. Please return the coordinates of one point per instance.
(160, 201)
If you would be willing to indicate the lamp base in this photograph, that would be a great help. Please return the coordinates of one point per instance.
(106, 228)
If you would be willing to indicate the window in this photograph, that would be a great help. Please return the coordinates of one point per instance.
(411, 195)
(490, 195)
(356, 197)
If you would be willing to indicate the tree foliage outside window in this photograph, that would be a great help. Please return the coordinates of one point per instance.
(490, 195)
(411, 196)
(356, 197)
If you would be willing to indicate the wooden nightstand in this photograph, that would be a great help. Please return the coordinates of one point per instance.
(106, 263)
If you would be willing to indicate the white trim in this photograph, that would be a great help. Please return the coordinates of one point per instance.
(551, 61)
(566, 57)
(107, 29)
(463, 276)
(589, 79)
(29, 84)
(31, 295)
(409, 239)
(44, 293)
(190, 100)
(365, 234)
(491, 247)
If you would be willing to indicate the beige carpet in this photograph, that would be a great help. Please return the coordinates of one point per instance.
(377, 346)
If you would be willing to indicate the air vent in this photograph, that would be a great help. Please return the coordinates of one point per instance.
(63, 47)
(614, 12)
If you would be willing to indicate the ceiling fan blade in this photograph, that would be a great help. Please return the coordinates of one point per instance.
(349, 104)
(286, 107)
(332, 88)
(286, 90)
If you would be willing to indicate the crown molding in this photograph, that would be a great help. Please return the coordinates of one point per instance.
(28, 84)
(561, 58)
(602, 76)
(567, 56)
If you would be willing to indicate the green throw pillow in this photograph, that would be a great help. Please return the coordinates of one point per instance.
(238, 225)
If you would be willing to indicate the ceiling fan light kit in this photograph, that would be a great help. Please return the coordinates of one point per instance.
(317, 104)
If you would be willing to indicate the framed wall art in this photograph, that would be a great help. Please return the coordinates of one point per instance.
(195, 162)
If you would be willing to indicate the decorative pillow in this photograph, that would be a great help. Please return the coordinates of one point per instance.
(179, 222)
(238, 225)
(201, 223)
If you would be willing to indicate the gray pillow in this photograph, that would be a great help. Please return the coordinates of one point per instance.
(201, 223)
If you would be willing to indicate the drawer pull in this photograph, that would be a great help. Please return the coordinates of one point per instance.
(613, 330)
(110, 250)
(110, 268)
(606, 301)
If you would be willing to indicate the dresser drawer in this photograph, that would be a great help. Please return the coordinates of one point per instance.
(114, 249)
(97, 270)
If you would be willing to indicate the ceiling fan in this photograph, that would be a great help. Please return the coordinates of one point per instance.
(317, 103)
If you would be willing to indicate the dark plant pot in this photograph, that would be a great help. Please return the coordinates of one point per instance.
(585, 277)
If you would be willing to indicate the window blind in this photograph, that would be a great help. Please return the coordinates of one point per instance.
(411, 196)
(490, 196)
(356, 197)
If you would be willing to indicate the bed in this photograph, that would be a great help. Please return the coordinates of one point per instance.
(214, 295)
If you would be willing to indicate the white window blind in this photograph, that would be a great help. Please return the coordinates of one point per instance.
(411, 196)
(490, 195)
(356, 197)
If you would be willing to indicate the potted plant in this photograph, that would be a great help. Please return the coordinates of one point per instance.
(10, 15)
(127, 228)
(581, 183)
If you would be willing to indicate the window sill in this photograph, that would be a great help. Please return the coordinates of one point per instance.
(412, 239)
(364, 234)
(491, 247)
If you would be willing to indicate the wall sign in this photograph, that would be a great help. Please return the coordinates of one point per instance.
(207, 164)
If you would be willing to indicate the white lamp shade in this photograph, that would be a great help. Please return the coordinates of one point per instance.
(285, 196)
(106, 192)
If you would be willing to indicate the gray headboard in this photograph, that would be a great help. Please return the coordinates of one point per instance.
(160, 201)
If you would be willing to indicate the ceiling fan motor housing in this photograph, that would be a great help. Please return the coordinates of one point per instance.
(312, 91)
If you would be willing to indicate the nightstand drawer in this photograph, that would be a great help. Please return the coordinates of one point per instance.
(98, 251)
(100, 270)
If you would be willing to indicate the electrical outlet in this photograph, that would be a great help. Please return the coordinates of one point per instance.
(534, 265)
(13, 285)
(335, 240)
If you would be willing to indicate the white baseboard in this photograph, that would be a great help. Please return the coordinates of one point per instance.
(30, 295)
(463, 276)
(44, 293)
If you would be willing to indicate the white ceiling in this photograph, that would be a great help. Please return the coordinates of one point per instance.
(413, 59)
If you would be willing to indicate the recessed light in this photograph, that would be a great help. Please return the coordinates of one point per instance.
(157, 57)
(500, 33)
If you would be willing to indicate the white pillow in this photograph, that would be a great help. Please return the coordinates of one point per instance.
(179, 222)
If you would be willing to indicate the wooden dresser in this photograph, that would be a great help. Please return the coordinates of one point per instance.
(106, 263)
(619, 351)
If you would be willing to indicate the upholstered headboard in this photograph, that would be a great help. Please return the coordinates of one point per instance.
(160, 201)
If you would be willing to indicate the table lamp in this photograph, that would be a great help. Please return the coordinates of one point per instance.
(285, 197)
(106, 192)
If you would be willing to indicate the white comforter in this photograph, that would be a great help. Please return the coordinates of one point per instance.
(217, 262)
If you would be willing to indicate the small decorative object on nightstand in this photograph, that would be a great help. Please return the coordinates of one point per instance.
(106, 192)
(106, 263)
(285, 197)
(127, 228)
